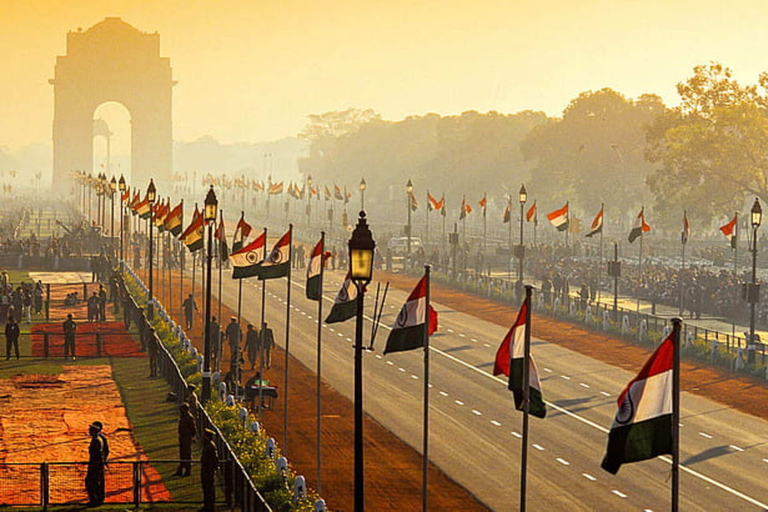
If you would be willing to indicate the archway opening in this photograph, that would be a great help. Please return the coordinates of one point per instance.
(112, 140)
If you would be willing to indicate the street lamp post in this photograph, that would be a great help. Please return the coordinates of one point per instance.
(522, 197)
(121, 188)
(112, 189)
(408, 190)
(210, 213)
(309, 201)
(361, 247)
(151, 195)
(362, 193)
(753, 289)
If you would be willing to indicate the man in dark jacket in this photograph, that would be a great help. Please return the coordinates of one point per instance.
(70, 328)
(11, 338)
(209, 463)
(187, 432)
(94, 478)
(233, 334)
(252, 345)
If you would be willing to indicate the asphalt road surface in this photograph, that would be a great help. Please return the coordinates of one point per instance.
(475, 430)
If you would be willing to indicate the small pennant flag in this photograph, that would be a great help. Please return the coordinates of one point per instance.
(597, 224)
(640, 227)
(408, 331)
(465, 209)
(432, 203)
(483, 203)
(314, 271)
(642, 427)
(508, 211)
(242, 230)
(510, 361)
(344, 305)
(441, 205)
(531, 216)
(278, 263)
(276, 188)
(245, 261)
(686, 228)
(144, 209)
(730, 231)
(221, 236)
(412, 201)
(559, 218)
(337, 192)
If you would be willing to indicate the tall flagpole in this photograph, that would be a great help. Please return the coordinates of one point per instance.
(263, 326)
(640, 256)
(319, 364)
(240, 282)
(484, 225)
(736, 243)
(425, 434)
(676, 414)
(526, 397)
(287, 338)
(600, 267)
(682, 266)
(426, 230)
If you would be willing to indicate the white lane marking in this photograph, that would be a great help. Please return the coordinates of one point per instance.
(340, 334)
(648, 510)
(473, 340)
(443, 393)
(414, 376)
(547, 370)
(563, 461)
(496, 423)
(450, 330)
(401, 369)
(458, 402)
(588, 477)
(462, 335)
(704, 434)
(565, 377)
(390, 363)
(619, 493)
(583, 420)
(378, 356)
(604, 393)
(584, 385)
(486, 345)
(738, 449)
(331, 329)
(476, 412)
(538, 447)
(517, 435)
(349, 339)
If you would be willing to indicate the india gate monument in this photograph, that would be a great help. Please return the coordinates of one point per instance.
(112, 61)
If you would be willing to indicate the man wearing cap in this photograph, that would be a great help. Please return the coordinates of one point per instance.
(233, 334)
(94, 478)
(11, 338)
(209, 461)
(252, 345)
(70, 327)
(187, 432)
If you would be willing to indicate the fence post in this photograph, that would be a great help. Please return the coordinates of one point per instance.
(85, 291)
(46, 344)
(136, 483)
(47, 302)
(44, 485)
(98, 344)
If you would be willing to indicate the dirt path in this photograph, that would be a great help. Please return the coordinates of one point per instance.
(46, 418)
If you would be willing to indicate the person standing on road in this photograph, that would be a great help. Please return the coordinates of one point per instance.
(269, 343)
(11, 338)
(234, 334)
(70, 328)
(102, 304)
(252, 345)
(215, 334)
(209, 464)
(187, 432)
(94, 478)
(190, 306)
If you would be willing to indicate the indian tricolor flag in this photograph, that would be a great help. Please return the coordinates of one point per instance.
(173, 220)
(278, 262)
(193, 235)
(242, 230)
(559, 218)
(597, 224)
(408, 331)
(729, 230)
(143, 209)
(344, 305)
(640, 227)
(642, 428)
(510, 361)
(314, 287)
(245, 261)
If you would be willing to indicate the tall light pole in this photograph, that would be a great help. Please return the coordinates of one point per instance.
(210, 213)
(151, 196)
(121, 188)
(112, 189)
(309, 201)
(361, 247)
(753, 289)
(522, 196)
(408, 191)
(362, 193)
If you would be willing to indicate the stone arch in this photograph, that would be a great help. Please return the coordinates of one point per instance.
(113, 61)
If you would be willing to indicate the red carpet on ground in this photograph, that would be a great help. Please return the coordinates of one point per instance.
(114, 340)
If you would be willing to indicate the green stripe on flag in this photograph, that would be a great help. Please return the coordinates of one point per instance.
(274, 271)
(313, 288)
(406, 338)
(342, 311)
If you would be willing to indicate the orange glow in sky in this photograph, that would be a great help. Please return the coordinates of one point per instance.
(253, 70)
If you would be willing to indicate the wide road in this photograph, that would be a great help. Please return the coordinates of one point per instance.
(475, 430)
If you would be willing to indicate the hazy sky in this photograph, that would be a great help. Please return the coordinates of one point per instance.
(253, 70)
